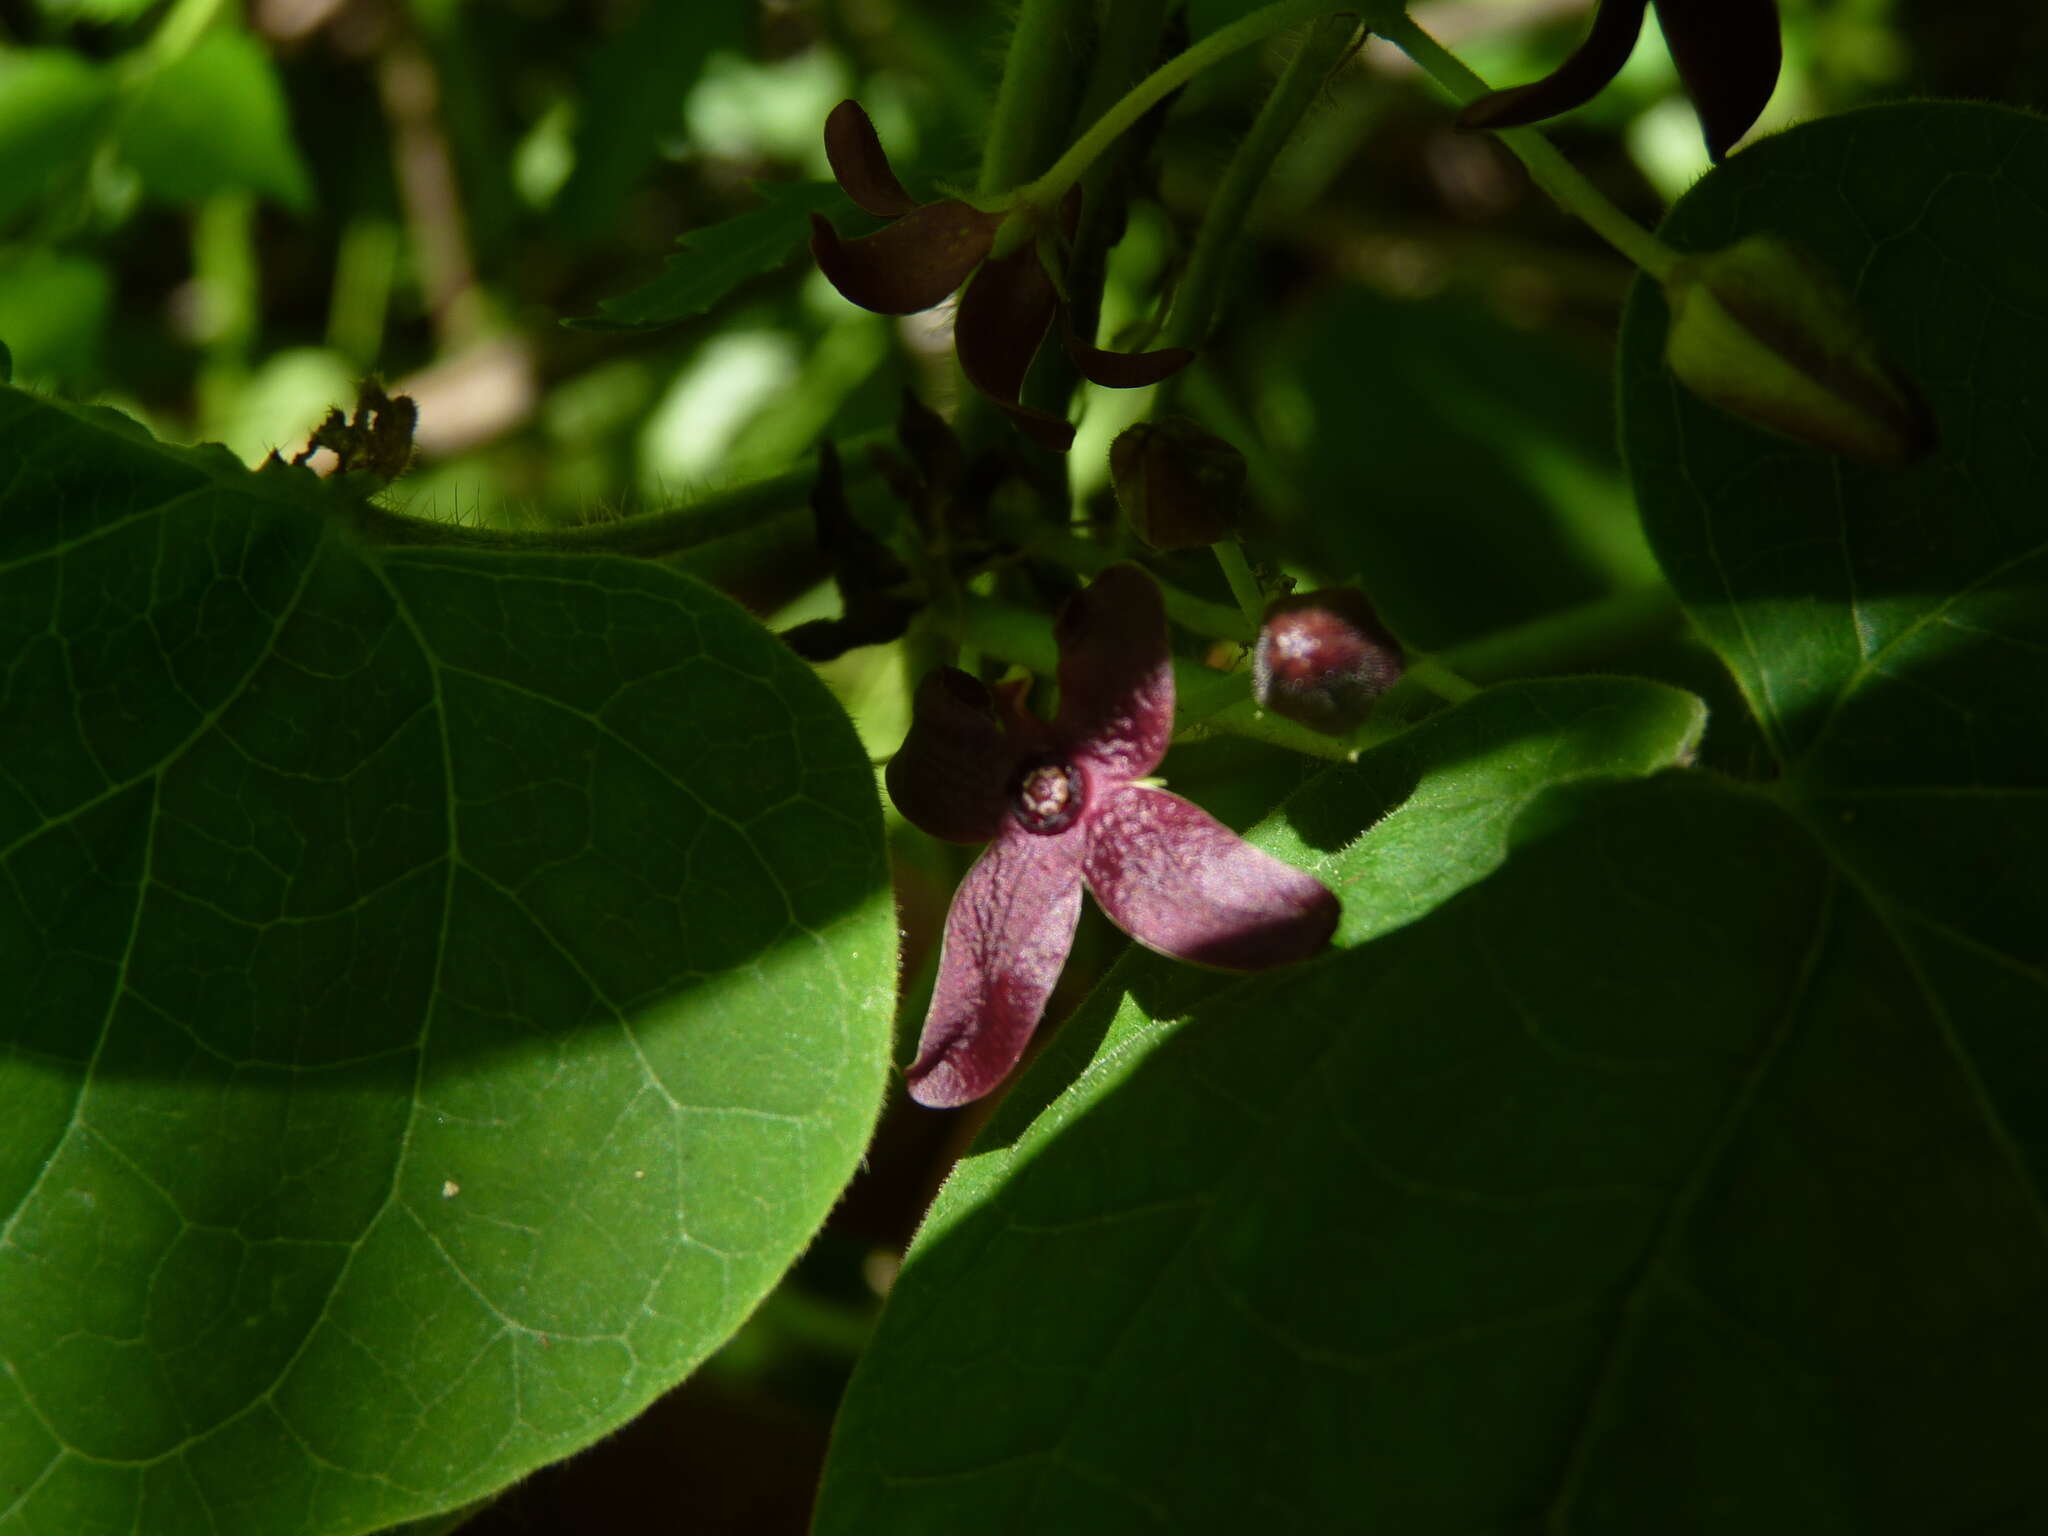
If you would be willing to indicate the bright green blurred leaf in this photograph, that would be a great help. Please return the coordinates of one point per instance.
(53, 308)
(52, 107)
(445, 992)
(214, 120)
(709, 263)
(283, 400)
(94, 10)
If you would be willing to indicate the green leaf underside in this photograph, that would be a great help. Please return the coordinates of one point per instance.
(711, 262)
(446, 992)
(1683, 1173)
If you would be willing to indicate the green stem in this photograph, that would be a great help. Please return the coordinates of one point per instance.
(1186, 610)
(1195, 300)
(1550, 170)
(1430, 672)
(1038, 69)
(1047, 190)
(649, 536)
(1251, 602)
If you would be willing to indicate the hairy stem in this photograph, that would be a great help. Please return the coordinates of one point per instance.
(648, 536)
(1037, 70)
(1201, 284)
(1251, 602)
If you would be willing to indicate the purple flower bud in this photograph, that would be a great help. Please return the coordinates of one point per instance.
(1323, 658)
(1180, 487)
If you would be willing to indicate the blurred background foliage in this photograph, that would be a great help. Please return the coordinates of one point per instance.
(219, 217)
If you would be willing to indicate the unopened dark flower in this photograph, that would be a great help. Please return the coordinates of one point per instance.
(1062, 805)
(929, 249)
(1727, 53)
(1180, 486)
(1766, 332)
(1323, 659)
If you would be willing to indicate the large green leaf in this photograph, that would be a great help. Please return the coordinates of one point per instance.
(444, 992)
(1682, 1174)
(1888, 628)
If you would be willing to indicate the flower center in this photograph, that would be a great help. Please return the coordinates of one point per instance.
(1047, 794)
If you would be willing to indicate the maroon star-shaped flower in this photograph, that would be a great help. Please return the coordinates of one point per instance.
(1062, 805)
(929, 249)
(1727, 53)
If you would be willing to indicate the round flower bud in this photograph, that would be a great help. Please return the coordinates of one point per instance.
(1323, 658)
(1180, 487)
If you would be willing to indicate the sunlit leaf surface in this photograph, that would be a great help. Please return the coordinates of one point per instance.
(444, 993)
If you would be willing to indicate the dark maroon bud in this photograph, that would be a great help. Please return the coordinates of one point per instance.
(1323, 658)
(1180, 487)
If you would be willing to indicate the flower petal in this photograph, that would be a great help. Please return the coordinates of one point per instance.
(911, 264)
(1121, 370)
(1116, 675)
(1007, 936)
(1616, 26)
(1728, 54)
(951, 775)
(1004, 315)
(1179, 881)
(861, 166)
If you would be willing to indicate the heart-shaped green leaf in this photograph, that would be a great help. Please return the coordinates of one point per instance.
(445, 991)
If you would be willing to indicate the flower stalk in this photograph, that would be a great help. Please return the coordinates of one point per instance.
(1546, 166)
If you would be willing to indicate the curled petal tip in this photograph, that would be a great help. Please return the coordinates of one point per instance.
(1124, 370)
(1595, 62)
(861, 166)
